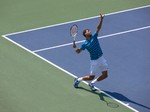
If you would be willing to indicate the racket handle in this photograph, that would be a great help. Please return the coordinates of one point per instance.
(74, 44)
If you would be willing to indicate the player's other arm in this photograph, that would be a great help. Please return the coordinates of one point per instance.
(78, 50)
(100, 23)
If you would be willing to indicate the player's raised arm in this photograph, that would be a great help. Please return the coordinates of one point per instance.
(100, 23)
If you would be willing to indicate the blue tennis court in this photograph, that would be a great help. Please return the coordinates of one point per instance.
(124, 38)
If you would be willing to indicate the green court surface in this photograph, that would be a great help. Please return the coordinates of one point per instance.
(29, 84)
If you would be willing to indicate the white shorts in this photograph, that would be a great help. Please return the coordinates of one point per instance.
(100, 63)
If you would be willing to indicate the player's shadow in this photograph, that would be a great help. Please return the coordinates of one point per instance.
(116, 95)
(102, 97)
(125, 99)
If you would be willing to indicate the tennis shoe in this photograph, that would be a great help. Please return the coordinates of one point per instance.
(76, 82)
(93, 88)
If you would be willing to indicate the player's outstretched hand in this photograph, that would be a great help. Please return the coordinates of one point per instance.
(102, 16)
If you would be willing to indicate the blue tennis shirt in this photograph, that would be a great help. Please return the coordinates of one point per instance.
(93, 47)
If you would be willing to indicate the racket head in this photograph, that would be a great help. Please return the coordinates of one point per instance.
(74, 31)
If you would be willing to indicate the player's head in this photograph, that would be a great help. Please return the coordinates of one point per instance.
(87, 33)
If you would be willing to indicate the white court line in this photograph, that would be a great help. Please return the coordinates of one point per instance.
(118, 12)
(105, 36)
(5, 36)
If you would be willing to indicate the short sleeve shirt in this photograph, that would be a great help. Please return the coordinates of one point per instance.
(93, 47)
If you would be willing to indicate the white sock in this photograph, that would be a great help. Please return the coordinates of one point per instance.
(93, 81)
(80, 79)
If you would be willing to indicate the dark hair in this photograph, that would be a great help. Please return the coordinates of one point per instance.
(84, 31)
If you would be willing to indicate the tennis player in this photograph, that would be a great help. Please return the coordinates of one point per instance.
(92, 45)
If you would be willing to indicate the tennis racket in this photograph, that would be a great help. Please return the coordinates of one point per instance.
(73, 33)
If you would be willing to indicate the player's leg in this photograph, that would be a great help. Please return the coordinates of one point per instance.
(103, 76)
(87, 78)
(104, 68)
(84, 78)
(94, 67)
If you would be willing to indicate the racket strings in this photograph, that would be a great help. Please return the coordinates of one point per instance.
(74, 30)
